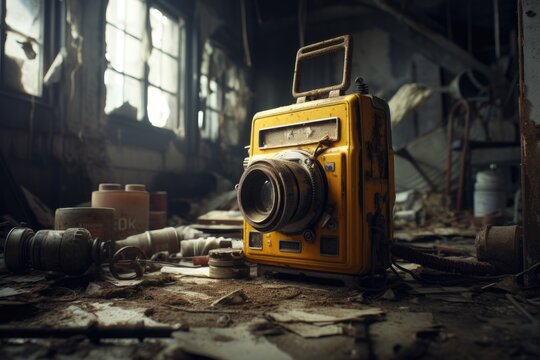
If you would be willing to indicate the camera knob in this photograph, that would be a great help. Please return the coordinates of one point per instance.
(309, 236)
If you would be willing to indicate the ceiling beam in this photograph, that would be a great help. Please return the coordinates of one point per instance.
(452, 50)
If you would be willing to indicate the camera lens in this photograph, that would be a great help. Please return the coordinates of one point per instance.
(258, 194)
(284, 194)
(266, 197)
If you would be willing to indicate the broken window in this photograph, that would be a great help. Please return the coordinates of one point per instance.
(22, 60)
(165, 70)
(138, 34)
(223, 97)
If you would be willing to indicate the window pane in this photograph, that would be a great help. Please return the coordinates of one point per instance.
(133, 62)
(169, 73)
(22, 69)
(211, 125)
(157, 27)
(116, 11)
(170, 36)
(214, 98)
(25, 17)
(162, 108)
(115, 47)
(115, 87)
(163, 71)
(203, 91)
(135, 14)
(232, 78)
(164, 32)
(133, 92)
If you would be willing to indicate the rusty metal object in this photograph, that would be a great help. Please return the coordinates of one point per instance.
(323, 48)
(439, 263)
(98, 221)
(70, 251)
(464, 149)
(227, 264)
(529, 88)
(127, 263)
(501, 246)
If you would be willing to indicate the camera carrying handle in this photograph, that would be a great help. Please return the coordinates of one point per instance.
(318, 49)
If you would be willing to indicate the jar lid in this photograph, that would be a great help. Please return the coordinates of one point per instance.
(86, 209)
(135, 187)
(108, 187)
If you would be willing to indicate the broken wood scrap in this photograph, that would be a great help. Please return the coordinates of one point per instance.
(233, 298)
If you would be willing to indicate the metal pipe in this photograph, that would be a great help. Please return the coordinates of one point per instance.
(245, 39)
(496, 28)
(464, 149)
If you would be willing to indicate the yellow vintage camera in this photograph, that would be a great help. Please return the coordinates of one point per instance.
(317, 192)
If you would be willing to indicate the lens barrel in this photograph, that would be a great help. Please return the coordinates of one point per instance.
(286, 193)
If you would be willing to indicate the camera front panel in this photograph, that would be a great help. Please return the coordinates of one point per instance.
(334, 241)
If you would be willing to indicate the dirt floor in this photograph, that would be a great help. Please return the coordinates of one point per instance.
(270, 318)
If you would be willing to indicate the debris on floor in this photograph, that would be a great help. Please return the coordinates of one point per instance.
(188, 292)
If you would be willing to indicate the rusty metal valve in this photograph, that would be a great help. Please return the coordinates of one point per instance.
(70, 251)
(501, 246)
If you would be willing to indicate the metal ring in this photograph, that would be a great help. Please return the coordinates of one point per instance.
(138, 268)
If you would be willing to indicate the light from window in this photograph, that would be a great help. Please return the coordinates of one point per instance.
(164, 65)
(23, 48)
(224, 95)
(133, 42)
(124, 76)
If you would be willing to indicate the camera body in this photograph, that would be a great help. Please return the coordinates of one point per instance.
(318, 190)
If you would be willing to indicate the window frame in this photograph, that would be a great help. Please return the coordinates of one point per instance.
(53, 39)
(182, 80)
(224, 89)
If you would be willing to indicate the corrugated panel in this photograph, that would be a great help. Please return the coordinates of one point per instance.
(430, 152)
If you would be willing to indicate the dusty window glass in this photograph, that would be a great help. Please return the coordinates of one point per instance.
(137, 35)
(124, 76)
(223, 95)
(164, 70)
(23, 47)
